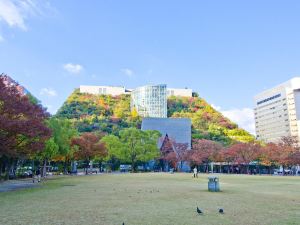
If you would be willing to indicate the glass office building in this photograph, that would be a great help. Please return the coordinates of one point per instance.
(150, 101)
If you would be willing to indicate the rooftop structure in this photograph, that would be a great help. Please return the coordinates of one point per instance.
(115, 90)
(179, 92)
(103, 90)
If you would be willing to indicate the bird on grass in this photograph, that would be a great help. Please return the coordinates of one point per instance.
(123, 223)
(221, 211)
(199, 211)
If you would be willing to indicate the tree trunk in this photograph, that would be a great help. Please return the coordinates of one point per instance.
(86, 167)
(44, 168)
(1, 167)
(100, 166)
(132, 166)
(7, 166)
(65, 166)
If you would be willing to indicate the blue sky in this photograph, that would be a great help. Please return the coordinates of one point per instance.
(228, 51)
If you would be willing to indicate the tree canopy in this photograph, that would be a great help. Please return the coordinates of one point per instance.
(133, 145)
(22, 123)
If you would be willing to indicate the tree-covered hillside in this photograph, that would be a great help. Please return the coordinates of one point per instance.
(99, 112)
(207, 122)
(110, 114)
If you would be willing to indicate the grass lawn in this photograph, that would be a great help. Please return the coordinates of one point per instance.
(154, 199)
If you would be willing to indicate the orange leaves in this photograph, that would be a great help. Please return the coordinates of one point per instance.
(89, 146)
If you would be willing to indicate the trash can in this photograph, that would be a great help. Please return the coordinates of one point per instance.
(213, 184)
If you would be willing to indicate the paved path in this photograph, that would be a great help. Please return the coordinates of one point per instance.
(12, 185)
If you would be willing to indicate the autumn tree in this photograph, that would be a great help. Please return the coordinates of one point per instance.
(167, 153)
(88, 147)
(244, 153)
(204, 151)
(23, 131)
(173, 153)
(282, 153)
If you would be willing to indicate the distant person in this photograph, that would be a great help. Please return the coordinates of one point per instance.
(38, 174)
(195, 172)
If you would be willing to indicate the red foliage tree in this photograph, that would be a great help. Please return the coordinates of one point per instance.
(204, 151)
(172, 152)
(22, 123)
(294, 158)
(89, 147)
(284, 153)
(244, 153)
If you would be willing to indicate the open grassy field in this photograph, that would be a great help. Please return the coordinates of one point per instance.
(154, 199)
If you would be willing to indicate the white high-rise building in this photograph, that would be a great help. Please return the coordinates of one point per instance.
(277, 112)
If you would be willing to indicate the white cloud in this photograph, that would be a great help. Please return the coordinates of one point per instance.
(15, 12)
(73, 68)
(11, 12)
(127, 72)
(218, 108)
(48, 92)
(243, 117)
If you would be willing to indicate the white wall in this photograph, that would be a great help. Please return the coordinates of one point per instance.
(179, 92)
(280, 116)
(110, 90)
(106, 90)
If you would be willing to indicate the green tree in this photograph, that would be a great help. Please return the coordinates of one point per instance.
(49, 152)
(113, 146)
(63, 132)
(138, 145)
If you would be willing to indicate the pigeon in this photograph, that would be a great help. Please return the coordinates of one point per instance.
(221, 211)
(123, 223)
(199, 211)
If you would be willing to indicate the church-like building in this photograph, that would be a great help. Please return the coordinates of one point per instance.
(175, 140)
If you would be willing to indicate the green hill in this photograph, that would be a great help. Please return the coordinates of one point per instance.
(112, 113)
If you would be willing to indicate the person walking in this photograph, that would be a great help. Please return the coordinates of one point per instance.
(195, 172)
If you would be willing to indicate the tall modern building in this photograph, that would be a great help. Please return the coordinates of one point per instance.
(150, 101)
(277, 112)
